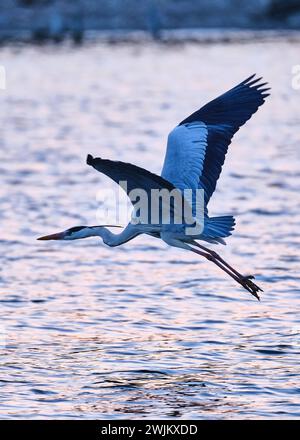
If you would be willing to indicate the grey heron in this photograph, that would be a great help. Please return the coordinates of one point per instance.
(196, 151)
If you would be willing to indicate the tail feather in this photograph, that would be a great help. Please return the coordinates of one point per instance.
(219, 227)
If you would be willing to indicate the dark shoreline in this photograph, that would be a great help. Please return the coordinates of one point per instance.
(176, 36)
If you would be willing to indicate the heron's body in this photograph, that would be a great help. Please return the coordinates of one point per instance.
(194, 158)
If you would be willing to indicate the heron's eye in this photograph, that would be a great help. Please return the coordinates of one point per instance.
(75, 229)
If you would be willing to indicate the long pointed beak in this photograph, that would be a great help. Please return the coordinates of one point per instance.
(58, 236)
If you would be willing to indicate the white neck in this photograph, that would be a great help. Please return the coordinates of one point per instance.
(107, 236)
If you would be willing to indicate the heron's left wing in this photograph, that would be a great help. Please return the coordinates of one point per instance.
(197, 147)
(184, 161)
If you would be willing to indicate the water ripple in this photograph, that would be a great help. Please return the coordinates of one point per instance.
(143, 330)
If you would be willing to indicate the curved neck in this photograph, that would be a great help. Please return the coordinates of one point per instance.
(113, 239)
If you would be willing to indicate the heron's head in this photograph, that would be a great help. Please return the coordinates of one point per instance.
(76, 232)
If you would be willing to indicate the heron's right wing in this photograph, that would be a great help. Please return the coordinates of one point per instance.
(132, 179)
(134, 176)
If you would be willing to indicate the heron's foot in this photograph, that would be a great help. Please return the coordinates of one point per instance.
(250, 286)
(250, 277)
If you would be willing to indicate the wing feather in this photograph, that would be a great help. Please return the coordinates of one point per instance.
(191, 165)
(223, 117)
(136, 179)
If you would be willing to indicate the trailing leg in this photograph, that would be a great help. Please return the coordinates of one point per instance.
(216, 259)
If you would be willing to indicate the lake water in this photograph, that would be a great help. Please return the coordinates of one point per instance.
(145, 330)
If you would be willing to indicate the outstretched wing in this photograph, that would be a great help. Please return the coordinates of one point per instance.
(197, 147)
(134, 176)
(133, 179)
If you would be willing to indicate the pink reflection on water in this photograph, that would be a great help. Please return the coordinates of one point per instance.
(144, 330)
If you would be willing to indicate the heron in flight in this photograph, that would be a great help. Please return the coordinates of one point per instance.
(196, 151)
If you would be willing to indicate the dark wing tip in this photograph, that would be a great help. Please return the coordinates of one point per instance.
(249, 78)
(254, 86)
(89, 159)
